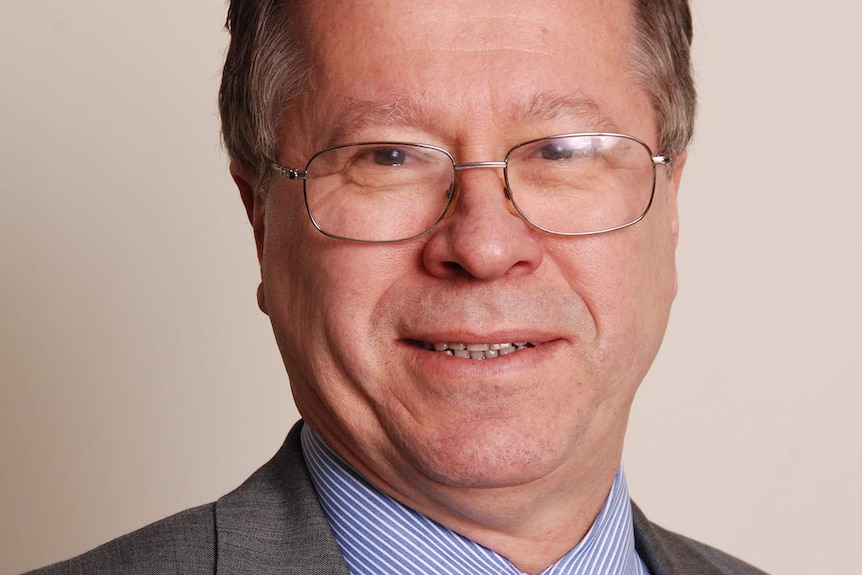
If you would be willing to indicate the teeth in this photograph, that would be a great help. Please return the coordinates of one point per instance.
(478, 350)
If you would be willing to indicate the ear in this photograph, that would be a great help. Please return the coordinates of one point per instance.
(672, 191)
(244, 177)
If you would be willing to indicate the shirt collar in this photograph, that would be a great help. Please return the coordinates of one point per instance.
(380, 536)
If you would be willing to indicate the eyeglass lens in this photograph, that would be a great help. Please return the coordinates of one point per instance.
(564, 184)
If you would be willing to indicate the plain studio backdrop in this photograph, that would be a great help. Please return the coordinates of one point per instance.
(137, 377)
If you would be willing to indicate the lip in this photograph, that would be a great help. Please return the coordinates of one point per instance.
(448, 367)
(497, 336)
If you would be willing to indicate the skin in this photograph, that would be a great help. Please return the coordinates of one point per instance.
(516, 453)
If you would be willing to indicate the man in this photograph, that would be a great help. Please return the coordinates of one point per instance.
(465, 215)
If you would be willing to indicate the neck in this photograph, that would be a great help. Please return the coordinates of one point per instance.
(531, 525)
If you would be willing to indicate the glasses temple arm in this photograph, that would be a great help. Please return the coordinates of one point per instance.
(289, 173)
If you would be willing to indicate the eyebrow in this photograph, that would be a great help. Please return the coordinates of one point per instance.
(369, 113)
(550, 107)
(404, 111)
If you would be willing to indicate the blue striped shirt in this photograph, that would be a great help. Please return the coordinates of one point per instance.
(379, 536)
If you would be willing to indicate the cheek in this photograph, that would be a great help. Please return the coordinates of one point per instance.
(322, 294)
(627, 281)
(293, 290)
(647, 290)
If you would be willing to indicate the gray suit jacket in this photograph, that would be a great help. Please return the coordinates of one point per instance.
(273, 524)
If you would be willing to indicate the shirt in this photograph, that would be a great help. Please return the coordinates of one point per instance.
(380, 536)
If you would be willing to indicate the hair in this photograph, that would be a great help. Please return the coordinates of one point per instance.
(266, 67)
(661, 63)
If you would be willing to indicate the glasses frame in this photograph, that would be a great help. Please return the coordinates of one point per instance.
(297, 174)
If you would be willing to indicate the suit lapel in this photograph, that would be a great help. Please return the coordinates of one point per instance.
(273, 524)
(666, 553)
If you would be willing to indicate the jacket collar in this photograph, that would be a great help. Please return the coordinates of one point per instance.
(667, 553)
(273, 524)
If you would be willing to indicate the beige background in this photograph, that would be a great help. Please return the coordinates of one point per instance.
(137, 377)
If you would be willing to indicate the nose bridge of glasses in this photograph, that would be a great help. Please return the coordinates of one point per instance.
(458, 187)
(474, 165)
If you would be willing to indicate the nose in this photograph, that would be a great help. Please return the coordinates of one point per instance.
(482, 236)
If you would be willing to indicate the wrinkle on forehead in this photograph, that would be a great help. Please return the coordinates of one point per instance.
(407, 111)
(449, 25)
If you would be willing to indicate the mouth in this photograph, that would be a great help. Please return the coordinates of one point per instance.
(477, 351)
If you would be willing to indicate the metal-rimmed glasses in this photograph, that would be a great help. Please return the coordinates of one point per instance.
(569, 185)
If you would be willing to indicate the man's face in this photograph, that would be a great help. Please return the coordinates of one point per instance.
(475, 77)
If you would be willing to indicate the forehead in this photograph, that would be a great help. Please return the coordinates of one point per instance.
(477, 67)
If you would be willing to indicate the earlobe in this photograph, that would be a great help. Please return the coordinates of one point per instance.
(261, 298)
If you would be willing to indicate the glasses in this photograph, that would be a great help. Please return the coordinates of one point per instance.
(568, 185)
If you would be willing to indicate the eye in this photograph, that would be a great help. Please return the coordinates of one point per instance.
(556, 150)
(389, 156)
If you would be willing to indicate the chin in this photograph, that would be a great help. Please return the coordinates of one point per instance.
(485, 456)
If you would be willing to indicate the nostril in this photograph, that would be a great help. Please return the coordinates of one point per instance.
(451, 269)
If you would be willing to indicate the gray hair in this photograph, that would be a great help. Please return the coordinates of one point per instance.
(266, 67)
(661, 64)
